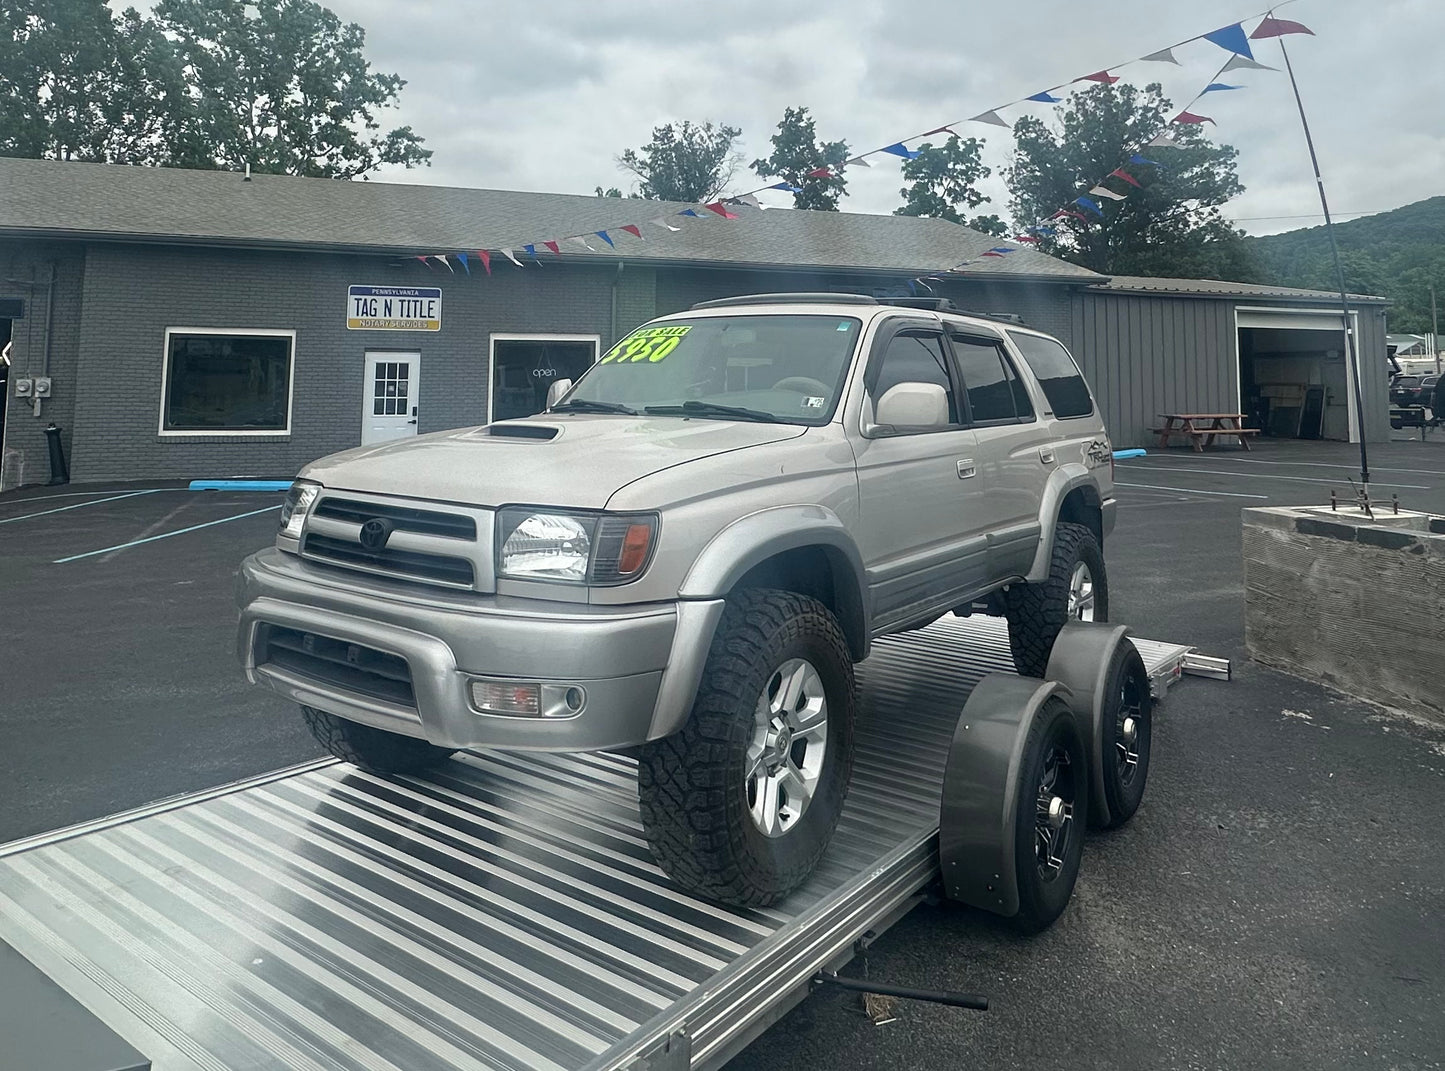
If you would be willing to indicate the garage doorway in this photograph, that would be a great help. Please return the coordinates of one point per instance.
(390, 398)
(524, 366)
(1294, 376)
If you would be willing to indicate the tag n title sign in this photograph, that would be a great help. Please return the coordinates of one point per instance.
(393, 308)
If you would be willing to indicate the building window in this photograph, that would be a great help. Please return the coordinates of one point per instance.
(227, 382)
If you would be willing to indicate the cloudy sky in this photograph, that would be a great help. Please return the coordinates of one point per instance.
(543, 95)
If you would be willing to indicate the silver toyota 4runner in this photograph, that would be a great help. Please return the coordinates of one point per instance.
(686, 554)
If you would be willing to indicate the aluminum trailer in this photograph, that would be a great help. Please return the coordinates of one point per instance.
(502, 912)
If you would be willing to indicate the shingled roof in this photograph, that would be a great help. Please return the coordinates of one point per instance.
(1222, 288)
(49, 198)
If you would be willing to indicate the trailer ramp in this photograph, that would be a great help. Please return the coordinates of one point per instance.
(503, 912)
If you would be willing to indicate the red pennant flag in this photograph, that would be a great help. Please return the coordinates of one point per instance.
(554, 247)
(990, 253)
(633, 229)
(1273, 27)
(486, 259)
(938, 130)
(424, 260)
(721, 209)
(1100, 76)
(1119, 172)
(1025, 238)
(1185, 118)
(1066, 212)
(820, 172)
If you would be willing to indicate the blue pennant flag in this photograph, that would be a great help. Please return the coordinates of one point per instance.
(1044, 98)
(1231, 39)
(1137, 159)
(1092, 206)
(899, 149)
(1044, 230)
(788, 186)
(1218, 87)
(531, 251)
(603, 236)
(463, 258)
(685, 212)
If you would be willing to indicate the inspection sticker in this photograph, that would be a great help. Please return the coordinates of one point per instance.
(813, 402)
(646, 344)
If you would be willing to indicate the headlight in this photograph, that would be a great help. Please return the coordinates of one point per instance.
(299, 501)
(573, 548)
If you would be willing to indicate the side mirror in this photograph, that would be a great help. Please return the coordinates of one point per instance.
(919, 406)
(555, 392)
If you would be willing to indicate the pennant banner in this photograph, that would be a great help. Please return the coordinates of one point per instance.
(1239, 63)
(605, 238)
(463, 258)
(508, 254)
(1189, 118)
(634, 230)
(1103, 77)
(1217, 87)
(1164, 55)
(1120, 173)
(486, 259)
(1045, 98)
(554, 247)
(1231, 39)
(898, 149)
(1104, 191)
(991, 117)
(1273, 27)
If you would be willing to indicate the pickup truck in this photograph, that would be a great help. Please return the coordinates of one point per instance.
(686, 554)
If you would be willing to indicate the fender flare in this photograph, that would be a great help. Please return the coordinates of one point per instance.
(751, 540)
(978, 813)
(1065, 478)
(1080, 661)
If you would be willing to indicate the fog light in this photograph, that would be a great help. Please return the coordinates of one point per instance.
(507, 697)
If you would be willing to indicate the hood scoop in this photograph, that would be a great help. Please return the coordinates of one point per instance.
(536, 432)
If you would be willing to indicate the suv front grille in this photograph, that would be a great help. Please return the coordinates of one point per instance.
(402, 518)
(436, 568)
(349, 667)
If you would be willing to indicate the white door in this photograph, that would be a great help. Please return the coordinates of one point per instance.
(389, 408)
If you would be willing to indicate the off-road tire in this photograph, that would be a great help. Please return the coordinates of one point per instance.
(374, 750)
(1042, 900)
(691, 785)
(1036, 613)
(1127, 677)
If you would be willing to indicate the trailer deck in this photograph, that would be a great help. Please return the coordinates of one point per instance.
(503, 912)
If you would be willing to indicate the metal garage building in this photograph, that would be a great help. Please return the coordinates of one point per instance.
(197, 324)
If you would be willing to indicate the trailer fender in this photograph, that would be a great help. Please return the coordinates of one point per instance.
(1080, 661)
(978, 811)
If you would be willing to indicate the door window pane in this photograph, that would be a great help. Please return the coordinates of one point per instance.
(525, 368)
(227, 382)
(994, 390)
(1057, 374)
(912, 357)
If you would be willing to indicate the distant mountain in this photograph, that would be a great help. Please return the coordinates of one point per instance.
(1395, 254)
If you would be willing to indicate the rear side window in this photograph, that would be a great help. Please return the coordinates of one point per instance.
(1057, 374)
(994, 390)
(912, 357)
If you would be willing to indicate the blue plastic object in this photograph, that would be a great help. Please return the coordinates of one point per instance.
(1120, 455)
(240, 485)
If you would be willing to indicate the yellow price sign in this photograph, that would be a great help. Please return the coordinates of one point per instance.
(650, 344)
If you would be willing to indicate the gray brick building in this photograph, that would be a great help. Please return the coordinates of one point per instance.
(201, 324)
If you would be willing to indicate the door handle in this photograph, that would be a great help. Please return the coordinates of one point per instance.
(967, 470)
(1046, 455)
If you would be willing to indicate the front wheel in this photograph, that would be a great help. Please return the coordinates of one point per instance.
(739, 805)
(1076, 589)
(374, 750)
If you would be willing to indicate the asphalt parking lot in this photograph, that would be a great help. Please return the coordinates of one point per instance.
(1277, 902)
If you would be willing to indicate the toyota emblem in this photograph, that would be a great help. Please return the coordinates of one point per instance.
(375, 533)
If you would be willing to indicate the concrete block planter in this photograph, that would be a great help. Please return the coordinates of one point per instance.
(1354, 601)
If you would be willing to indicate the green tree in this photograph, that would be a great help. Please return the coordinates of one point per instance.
(796, 153)
(1170, 226)
(684, 162)
(284, 86)
(942, 184)
(611, 191)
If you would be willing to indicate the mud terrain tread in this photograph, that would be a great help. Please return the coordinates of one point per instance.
(1036, 612)
(683, 779)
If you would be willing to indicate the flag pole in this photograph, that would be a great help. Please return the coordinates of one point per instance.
(1339, 275)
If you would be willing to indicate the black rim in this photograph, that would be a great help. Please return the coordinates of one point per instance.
(1129, 728)
(1054, 814)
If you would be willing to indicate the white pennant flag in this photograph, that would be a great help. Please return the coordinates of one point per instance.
(1245, 63)
(857, 161)
(443, 258)
(991, 117)
(582, 242)
(1163, 56)
(508, 254)
(661, 221)
(751, 201)
(1100, 191)
(1163, 141)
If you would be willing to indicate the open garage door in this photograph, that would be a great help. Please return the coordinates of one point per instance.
(1294, 377)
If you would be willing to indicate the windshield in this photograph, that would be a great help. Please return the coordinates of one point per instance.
(787, 369)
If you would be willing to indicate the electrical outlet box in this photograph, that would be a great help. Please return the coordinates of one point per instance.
(42, 386)
(24, 387)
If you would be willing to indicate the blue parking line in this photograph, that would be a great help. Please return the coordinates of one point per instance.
(81, 505)
(163, 535)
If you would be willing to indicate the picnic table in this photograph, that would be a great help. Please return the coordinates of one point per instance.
(1203, 428)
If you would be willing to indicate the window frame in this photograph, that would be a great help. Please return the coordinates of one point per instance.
(1007, 362)
(222, 433)
(1013, 334)
(524, 336)
(883, 337)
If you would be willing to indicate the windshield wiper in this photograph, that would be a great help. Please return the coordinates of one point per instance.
(586, 405)
(705, 409)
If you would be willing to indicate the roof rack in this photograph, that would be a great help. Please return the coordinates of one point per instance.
(931, 304)
(787, 299)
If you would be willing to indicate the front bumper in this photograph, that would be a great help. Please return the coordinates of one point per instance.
(638, 666)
